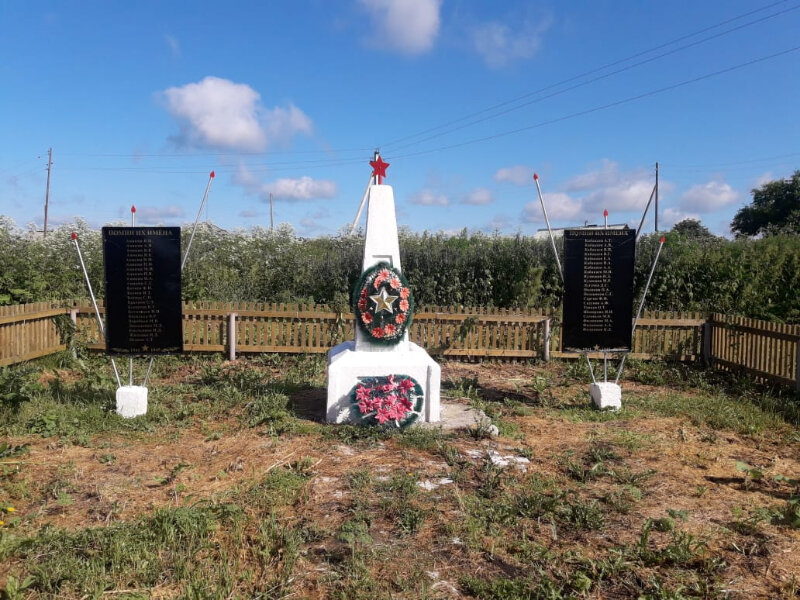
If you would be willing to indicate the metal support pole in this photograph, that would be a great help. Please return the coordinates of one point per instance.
(656, 213)
(550, 231)
(94, 303)
(644, 215)
(363, 198)
(232, 336)
(47, 190)
(147, 375)
(546, 332)
(591, 371)
(197, 219)
(605, 367)
(641, 304)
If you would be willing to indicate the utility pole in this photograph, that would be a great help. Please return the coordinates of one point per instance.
(271, 217)
(656, 219)
(47, 190)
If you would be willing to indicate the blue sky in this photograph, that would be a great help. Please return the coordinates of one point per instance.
(465, 99)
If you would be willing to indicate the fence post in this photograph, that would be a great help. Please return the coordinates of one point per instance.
(546, 333)
(73, 316)
(232, 336)
(797, 367)
(707, 334)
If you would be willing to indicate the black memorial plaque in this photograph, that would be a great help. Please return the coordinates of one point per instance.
(598, 288)
(143, 290)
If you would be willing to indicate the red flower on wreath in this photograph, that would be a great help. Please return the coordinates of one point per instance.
(404, 386)
(383, 275)
(394, 398)
(381, 325)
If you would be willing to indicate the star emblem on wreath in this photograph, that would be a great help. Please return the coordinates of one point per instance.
(383, 304)
(383, 301)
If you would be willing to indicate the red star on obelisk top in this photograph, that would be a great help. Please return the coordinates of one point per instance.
(378, 168)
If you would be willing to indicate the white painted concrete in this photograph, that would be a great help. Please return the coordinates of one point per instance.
(352, 360)
(346, 364)
(606, 395)
(131, 401)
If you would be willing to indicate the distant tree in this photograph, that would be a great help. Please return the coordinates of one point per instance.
(775, 209)
(692, 229)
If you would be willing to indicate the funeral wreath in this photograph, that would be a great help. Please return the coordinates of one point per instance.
(383, 304)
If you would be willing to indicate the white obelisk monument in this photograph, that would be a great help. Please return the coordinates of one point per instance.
(371, 363)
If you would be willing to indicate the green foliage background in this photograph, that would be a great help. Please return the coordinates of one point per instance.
(757, 278)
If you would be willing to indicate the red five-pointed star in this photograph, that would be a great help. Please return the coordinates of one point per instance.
(379, 168)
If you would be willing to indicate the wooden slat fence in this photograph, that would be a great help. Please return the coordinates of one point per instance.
(28, 331)
(768, 351)
(310, 328)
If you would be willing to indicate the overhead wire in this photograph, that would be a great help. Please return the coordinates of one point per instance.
(603, 106)
(495, 115)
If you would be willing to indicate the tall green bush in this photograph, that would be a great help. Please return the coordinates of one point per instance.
(757, 278)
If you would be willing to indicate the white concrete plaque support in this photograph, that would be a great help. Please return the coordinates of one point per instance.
(352, 360)
(131, 401)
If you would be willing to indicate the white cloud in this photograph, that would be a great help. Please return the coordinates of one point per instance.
(146, 215)
(607, 187)
(765, 178)
(606, 174)
(301, 188)
(250, 213)
(219, 113)
(500, 222)
(671, 216)
(174, 45)
(283, 123)
(624, 195)
(408, 26)
(707, 197)
(559, 206)
(498, 44)
(518, 175)
(428, 197)
(478, 197)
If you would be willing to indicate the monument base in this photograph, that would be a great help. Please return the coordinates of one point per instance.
(131, 401)
(606, 396)
(346, 365)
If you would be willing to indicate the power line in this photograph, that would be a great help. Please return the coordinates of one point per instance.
(583, 83)
(735, 163)
(604, 106)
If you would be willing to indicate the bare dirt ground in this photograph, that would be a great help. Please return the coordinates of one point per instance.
(693, 472)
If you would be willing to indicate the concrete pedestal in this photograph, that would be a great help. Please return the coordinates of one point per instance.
(346, 365)
(606, 396)
(131, 401)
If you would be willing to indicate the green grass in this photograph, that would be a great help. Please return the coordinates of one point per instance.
(520, 534)
(717, 411)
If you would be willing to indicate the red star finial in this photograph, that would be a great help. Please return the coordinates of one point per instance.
(379, 168)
